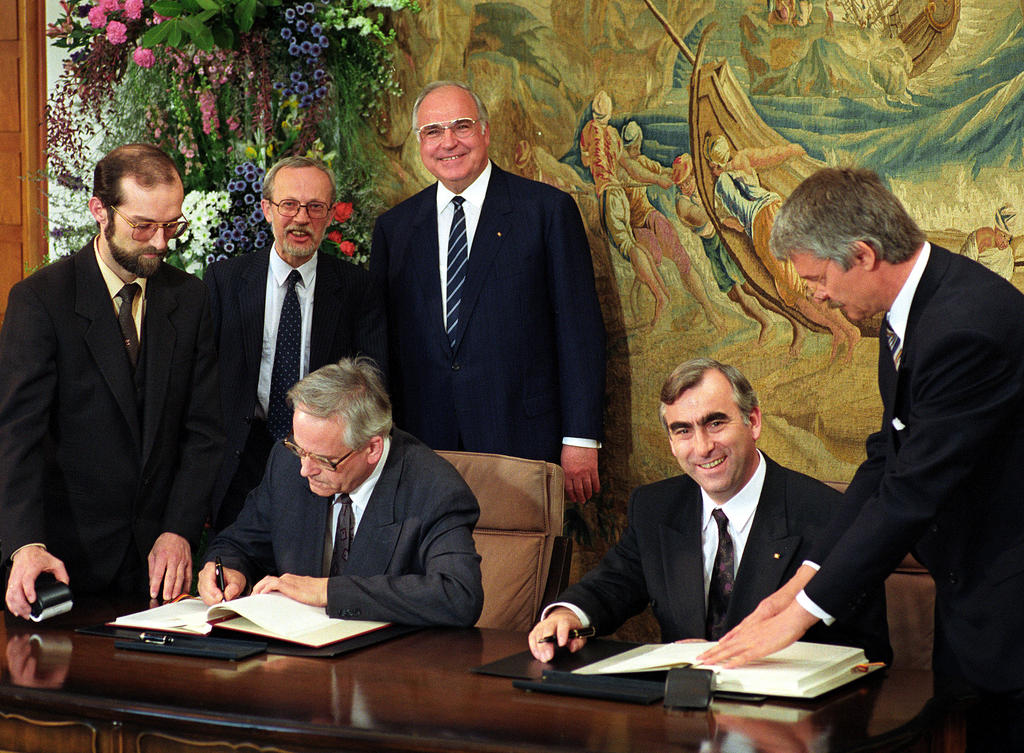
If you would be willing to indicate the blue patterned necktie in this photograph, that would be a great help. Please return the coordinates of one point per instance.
(286, 361)
(458, 255)
(720, 588)
(895, 346)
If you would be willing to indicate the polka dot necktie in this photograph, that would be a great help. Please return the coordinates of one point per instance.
(721, 585)
(286, 361)
(127, 322)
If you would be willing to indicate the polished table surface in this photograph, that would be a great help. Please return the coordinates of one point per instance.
(413, 693)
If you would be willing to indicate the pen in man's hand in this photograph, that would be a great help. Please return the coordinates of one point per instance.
(218, 567)
(574, 633)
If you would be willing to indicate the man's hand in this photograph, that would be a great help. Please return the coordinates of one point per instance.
(745, 644)
(304, 588)
(775, 603)
(209, 591)
(26, 565)
(170, 564)
(558, 623)
(580, 466)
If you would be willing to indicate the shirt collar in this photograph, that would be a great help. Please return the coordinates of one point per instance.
(110, 278)
(360, 496)
(280, 269)
(473, 195)
(740, 508)
(899, 312)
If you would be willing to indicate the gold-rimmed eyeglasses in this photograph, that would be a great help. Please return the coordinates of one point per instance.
(324, 462)
(461, 128)
(143, 231)
(316, 210)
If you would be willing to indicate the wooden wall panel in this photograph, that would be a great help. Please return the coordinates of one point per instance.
(22, 133)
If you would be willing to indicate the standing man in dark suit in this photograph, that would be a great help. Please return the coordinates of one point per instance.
(494, 328)
(109, 426)
(353, 515)
(333, 311)
(703, 549)
(942, 476)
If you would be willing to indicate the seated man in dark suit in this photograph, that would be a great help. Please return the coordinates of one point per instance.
(703, 549)
(354, 515)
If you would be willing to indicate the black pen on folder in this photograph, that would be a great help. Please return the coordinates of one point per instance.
(574, 633)
(218, 567)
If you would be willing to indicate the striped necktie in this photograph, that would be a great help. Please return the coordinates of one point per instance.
(458, 255)
(895, 346)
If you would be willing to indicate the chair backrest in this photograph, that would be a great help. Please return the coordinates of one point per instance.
(524, 557)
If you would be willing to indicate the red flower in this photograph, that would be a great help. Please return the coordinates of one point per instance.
(342, 211)
(336, 236)
(347, 247)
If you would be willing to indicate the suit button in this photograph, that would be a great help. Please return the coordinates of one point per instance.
(953, 579)
(456, 366)
(238, 453)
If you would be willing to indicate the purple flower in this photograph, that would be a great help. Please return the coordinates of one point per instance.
(286, 33)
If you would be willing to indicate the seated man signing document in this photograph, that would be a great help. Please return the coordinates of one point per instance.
(704, 548)
(354, 515)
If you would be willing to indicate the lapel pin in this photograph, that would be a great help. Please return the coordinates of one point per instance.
(499, 233)
(776, 555)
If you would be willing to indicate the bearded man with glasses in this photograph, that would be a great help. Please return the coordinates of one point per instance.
(354, 515)
(280, 314)
(110, 431)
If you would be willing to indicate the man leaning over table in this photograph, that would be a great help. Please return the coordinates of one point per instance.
(704, 548)
(354, 515)
(942, 475)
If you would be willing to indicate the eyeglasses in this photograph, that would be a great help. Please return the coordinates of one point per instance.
(324, 462)
(316, 210)
(433, 132)
(143, 231)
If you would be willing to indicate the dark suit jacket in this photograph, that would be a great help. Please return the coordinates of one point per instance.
(948, 484)
(412, 560)
(659, 561)
(82, 469)
(529, 362)
(348, 320)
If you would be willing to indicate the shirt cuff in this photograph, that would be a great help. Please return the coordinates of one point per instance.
(584, 620)
(42, 546)
(805, 601)
(581, 442)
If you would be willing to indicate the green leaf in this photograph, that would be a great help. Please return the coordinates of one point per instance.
(156, 35)
(245, 13)
(223, 37)
(200, 34)
(211, 5)
(174, 34)
(169, 8)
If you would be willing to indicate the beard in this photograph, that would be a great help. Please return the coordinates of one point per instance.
(299, 252)
(133, 261)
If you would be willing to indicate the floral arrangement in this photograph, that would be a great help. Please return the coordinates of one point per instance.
(226, 87)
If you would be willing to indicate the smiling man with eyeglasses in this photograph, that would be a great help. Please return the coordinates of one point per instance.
(354, 515)
(110, 433)
(496, 336)
(279, 314)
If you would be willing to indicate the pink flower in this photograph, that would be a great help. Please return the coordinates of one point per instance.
(144, 58)
(109, 6)
(97, 18)
(133, 9)
(116, 32)
(342, 211)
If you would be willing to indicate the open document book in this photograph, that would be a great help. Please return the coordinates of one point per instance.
(270, 615)
(802, 670)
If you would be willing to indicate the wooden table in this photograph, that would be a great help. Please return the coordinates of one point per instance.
(64, 691)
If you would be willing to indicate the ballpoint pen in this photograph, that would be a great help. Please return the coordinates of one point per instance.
(219, 569)
(573, 633)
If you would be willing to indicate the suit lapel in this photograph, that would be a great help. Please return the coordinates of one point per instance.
(769, 550)
(160, 337)
(683, 562)
(252, 298)
(425, 280)
(377, 534)
(328, 294)
(103, 338)
(495, 219)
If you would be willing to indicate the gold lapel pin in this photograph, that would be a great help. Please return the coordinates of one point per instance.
(776, 555)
